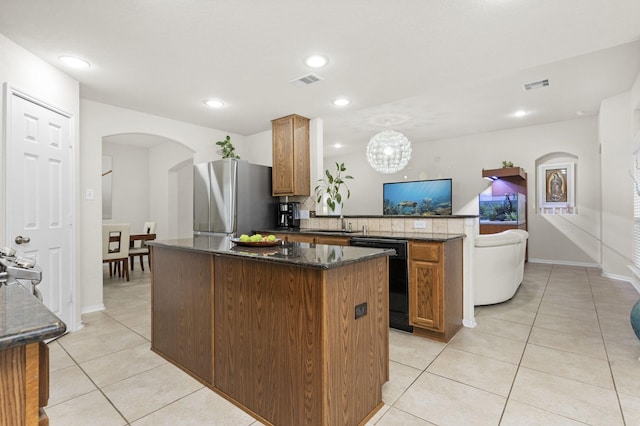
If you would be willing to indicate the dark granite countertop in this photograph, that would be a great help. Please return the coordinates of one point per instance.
(24, 319)
(299, 254)
(418, 236)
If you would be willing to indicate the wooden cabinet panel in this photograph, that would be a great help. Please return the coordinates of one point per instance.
(287, 343)
(290, 157)
(435, 288)
(426, 251)
(332, 240)
(297, 238)
(425, 295)
(181, 318)
(24, 375)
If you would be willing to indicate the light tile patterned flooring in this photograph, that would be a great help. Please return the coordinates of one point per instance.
(561, 352)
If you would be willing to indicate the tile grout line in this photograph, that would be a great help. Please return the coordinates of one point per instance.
(97, 387)
(604, 343)
(508, 398)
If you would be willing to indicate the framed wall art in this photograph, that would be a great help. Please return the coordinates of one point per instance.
(556, 188)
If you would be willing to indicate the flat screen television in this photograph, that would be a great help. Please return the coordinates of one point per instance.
(417, 198)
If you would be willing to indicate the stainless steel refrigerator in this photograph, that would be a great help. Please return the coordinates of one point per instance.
(232, 197)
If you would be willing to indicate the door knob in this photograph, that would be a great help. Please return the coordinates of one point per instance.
(20, 239)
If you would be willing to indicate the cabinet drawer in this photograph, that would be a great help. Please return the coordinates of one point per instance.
(424, 251)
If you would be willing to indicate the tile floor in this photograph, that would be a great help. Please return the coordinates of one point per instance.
(561, 352)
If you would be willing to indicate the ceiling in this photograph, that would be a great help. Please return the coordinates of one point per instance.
(428, 68)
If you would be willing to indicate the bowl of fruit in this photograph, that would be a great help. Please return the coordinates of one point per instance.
(256, 240)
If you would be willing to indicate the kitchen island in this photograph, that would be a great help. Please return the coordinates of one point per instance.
(24, 357)
(295, 334)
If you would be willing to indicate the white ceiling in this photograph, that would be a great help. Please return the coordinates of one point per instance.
(428, 68)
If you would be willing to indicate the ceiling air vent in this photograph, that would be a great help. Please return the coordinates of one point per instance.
(536, 84)
(306, 80)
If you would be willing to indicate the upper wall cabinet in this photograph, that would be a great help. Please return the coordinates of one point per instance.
(291, 173)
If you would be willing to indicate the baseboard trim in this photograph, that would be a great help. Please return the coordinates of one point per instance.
(565, 263)
(94, 308)
(625, 278)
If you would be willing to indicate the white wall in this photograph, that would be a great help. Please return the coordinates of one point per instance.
(617, 186)
(571, 239)
(130, 184)
(164, 188)
(258, 149)
(32, 75)
(181, 183)
(99, 120)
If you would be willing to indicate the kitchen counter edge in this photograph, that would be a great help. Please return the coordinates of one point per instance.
(297, 254)
(25, 318)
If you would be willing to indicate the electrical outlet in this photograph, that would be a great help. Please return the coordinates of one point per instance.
(361, 310)
(419, 224)
(90, 194)
(304, 214)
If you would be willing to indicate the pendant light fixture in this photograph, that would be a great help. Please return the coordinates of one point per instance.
(389, 151)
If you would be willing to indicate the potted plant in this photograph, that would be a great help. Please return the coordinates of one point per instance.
(228, 150)
(329, 187)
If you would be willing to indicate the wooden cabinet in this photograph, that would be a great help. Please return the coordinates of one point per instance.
(290, 167)
(24, 384)
(181, 316)
(435, 288)
(279, 340)
(296, 238)
(333, 240)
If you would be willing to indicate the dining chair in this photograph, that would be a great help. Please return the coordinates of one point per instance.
(115, 247)
(143, 249)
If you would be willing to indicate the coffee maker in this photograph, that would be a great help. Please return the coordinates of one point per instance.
(289, 215)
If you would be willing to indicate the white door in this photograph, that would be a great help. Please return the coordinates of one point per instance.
(38, 194)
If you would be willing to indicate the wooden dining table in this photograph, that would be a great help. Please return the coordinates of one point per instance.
(133, 238)
(140, 237)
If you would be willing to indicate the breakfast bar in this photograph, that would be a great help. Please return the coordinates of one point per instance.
(294, 333)
(25, 323)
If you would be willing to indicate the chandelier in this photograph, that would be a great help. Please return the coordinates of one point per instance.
(389, 151)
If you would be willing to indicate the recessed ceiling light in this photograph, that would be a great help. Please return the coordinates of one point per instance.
(520, 113)
(341, 102)
(316, 61)
(580, 113)
(74, 62)
(214, 103)
(337, 145)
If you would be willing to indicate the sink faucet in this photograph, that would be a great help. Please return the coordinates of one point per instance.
(344, 224)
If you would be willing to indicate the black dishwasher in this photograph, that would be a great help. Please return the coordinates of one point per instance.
(398, 279)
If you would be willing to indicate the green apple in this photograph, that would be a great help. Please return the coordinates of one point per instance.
(271, 238)
(244, 238)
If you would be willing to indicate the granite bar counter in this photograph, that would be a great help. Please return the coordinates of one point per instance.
(294, 334)
(24, 319)
(24, 357)
(299, 254)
